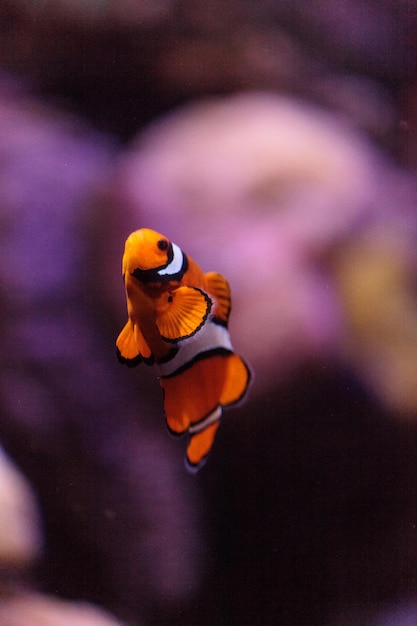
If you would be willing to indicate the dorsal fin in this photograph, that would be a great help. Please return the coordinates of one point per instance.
(220, 290)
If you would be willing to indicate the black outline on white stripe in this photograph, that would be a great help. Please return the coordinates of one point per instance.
(199, 357)
(153, 275)
(205, 422)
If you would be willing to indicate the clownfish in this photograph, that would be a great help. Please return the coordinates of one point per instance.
(177, 319)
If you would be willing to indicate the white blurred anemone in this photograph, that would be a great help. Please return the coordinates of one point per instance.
(20, 529)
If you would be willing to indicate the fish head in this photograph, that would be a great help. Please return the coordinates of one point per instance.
(152, 257)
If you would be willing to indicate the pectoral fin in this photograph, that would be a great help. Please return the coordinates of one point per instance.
(186, 310)
(132, 347)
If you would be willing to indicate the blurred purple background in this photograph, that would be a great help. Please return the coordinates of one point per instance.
(275, 143)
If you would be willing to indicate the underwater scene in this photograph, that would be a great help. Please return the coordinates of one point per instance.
(208, 310)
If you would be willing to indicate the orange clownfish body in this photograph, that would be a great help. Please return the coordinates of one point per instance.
(177, 318)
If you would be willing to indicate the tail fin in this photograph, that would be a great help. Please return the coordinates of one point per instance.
(194, 396)
(200, 445)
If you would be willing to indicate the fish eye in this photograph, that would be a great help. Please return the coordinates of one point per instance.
(162, 244)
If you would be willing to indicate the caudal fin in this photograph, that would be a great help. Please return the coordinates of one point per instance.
(199, 447)
(194, 396)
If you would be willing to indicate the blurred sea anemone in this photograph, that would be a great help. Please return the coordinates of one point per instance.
(267, 190)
